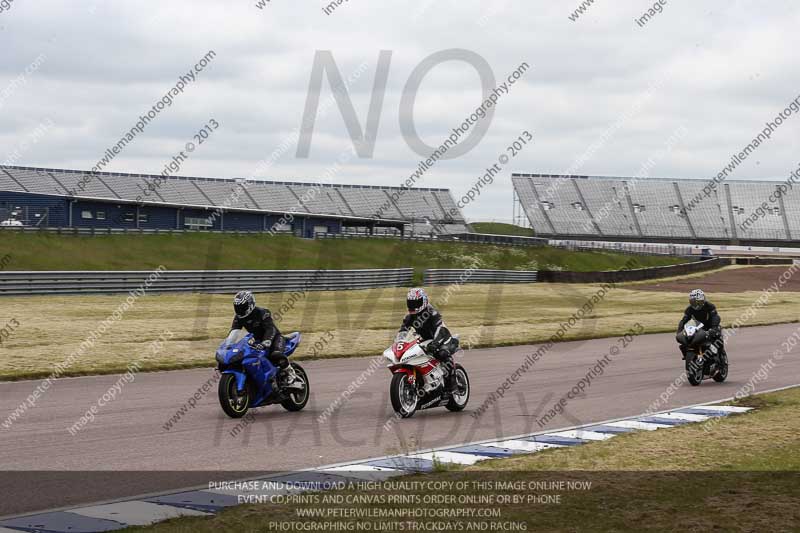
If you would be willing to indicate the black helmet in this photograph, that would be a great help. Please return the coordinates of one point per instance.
(243, 303)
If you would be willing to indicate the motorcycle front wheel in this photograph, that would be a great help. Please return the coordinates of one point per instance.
(460, 398)
(403, 395)
(722, 372)
(234, 404)
(694, 372)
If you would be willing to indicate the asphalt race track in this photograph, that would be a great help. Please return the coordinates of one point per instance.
(129, 434)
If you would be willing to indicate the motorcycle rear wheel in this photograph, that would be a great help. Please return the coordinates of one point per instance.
(234, 405)
(403, 395)
(297, 400)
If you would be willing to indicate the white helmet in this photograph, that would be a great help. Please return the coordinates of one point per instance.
(416, 300)
(697, 298)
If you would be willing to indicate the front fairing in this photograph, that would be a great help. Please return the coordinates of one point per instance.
(236, 356)
(233, 351)
(416, 356)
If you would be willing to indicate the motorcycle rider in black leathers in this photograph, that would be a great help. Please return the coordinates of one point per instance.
(266, 336)
(704, 312)
(429, 325)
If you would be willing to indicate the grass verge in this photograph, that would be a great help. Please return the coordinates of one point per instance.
(335, 324)
(192, 251)
(501, 228)
(740, 473)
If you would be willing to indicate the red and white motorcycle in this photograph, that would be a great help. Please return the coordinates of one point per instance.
(419, 378)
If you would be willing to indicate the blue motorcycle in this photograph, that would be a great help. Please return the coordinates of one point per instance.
(250, 380)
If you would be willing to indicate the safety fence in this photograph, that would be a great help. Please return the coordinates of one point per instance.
(211, 281)
(447, 276)
(225, 281)
(632, 248)
(636, 274)
(473, 238)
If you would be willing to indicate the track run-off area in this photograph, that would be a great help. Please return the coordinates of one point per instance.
(170, 423)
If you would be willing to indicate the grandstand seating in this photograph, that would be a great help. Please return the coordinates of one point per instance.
(532, 206)
(791, 202)
(372, 201)
(415, 206)
(656, 207)
(652, 208)
(709, 218)
(608, 204)
(745, 198)
(275, 197)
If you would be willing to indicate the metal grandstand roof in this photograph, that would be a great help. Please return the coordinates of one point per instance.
(357, 202)
(642, 178)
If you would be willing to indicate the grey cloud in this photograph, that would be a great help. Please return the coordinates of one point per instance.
(728, 67)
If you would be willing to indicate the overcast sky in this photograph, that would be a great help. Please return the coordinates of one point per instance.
(720, 69)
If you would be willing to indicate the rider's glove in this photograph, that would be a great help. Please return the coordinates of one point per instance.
(263, 345)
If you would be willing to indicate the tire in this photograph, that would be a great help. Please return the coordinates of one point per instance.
(694, 372)
(233, 404)
(722, 374)
(297, 400)
(459, 401)
(403, 395)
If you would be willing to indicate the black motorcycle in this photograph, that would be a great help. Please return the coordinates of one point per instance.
(702, 357)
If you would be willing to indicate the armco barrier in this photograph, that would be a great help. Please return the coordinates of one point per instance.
(211, 281)
(447, 276)
(763, 260)
(638, 274)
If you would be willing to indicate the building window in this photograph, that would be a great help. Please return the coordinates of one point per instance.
(101, 215)
(127, 217)
(320, 229)
(86, 214)
(196, 223)
(143, 217)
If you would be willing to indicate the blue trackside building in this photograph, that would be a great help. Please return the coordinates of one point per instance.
(58, 198)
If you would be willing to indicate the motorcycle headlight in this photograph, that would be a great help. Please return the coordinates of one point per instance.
(237, 357)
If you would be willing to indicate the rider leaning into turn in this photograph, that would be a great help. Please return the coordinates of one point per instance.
(704, 312)
(429, 325)
(266, 336)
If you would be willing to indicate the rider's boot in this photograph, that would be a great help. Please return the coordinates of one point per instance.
(721, 355)
(288, 377)
(450, 382)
